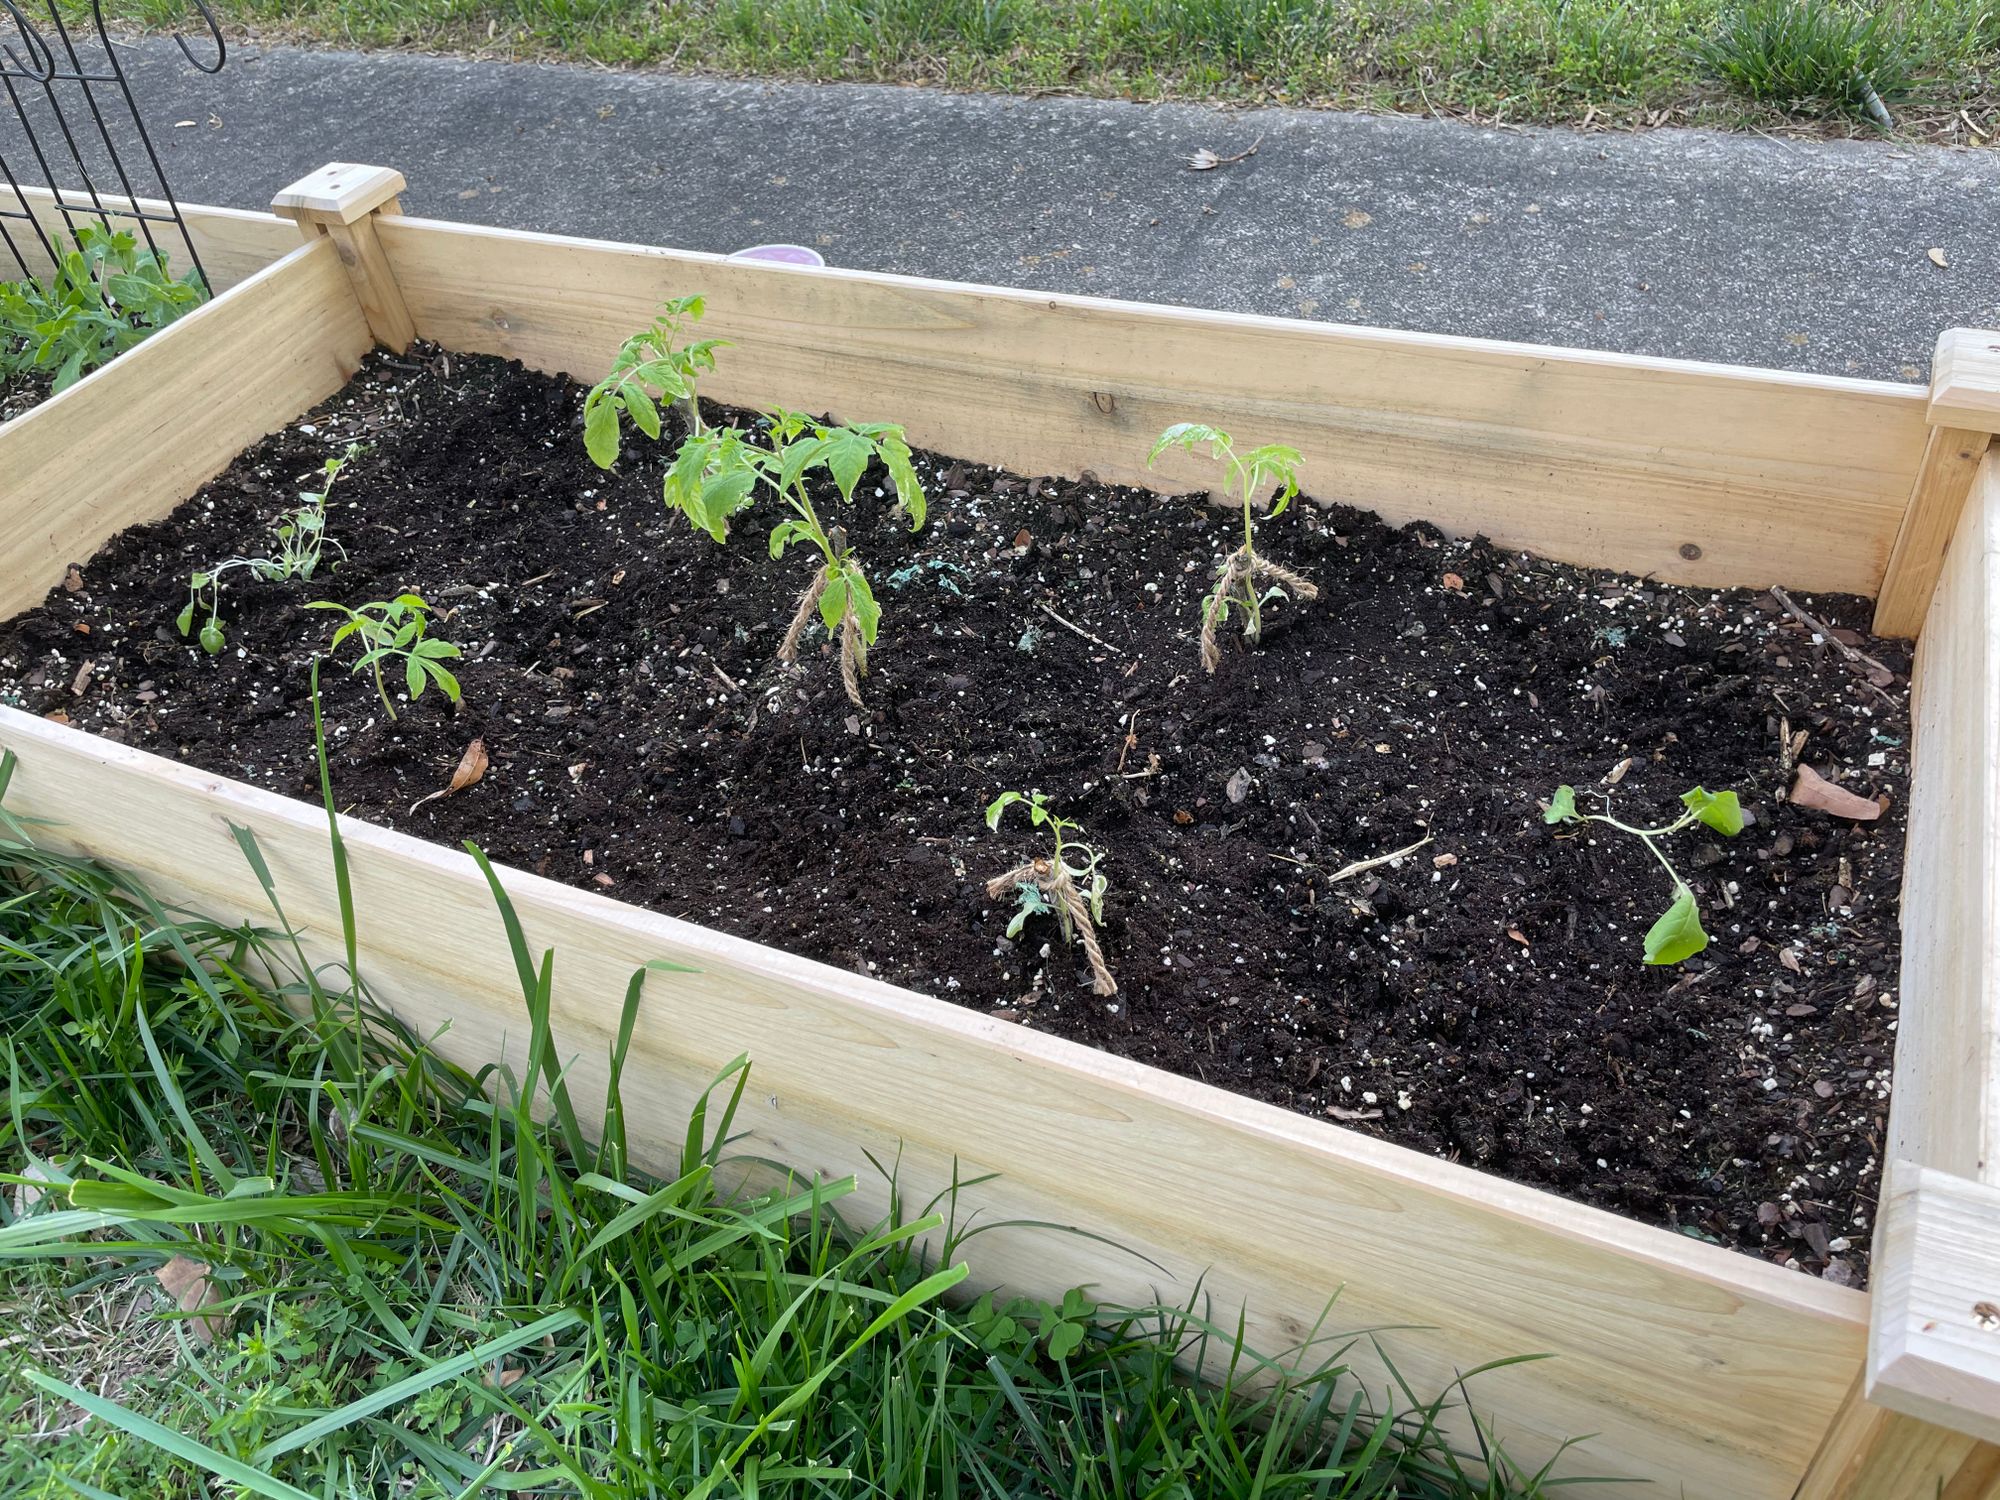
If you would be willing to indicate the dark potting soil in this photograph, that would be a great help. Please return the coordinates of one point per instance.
(20, 392)
(1481, 998)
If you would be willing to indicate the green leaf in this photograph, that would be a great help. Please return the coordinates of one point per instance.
(1562, 807)
(785, 533)
(1677, 935)
(185, 620)
(251, 1478)
(867, 613)
(444, 680)
(640, 407)
(903, 474)
(1188, 435)
(999, 805)
(1719, 810)
(847, 456)
(833, 601)
(413, 676)
(211, 636)
(1065, 1338)
(600, 428)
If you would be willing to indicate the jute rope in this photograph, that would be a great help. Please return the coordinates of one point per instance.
(1240, 572)
(853, 655)
(1055, 884)
(788, 649)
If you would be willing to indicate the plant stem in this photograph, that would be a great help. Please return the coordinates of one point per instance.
(383, 689)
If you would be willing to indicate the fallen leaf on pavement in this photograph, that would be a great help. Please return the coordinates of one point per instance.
(1815, 791)
(1937, 257)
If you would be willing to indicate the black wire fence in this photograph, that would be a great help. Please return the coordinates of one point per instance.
(76, 130)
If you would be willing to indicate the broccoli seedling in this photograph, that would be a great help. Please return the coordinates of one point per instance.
(396, 630)
(300, 542)
(655, 359)
(839, 592)
(1678, 933)
(1241, 582)
(1068, 882)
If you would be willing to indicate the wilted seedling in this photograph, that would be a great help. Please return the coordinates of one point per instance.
(1067, 883)
(839, 591)
(1678, 933)
(1247, 581)
(392, 630)
(655, 360)
(300, 540)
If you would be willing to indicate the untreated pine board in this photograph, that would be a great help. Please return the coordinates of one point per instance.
(234, 244)
(1712, 1373)
(1692, 473)
(1951, 460)
(1934, 1335)
(1945, 1113)
(132, 440)
(1874, 1454)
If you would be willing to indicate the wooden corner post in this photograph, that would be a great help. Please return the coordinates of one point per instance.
(341, 201)
(1964, 417)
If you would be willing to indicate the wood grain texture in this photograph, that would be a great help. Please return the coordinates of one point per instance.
(1934, 1319)
(1713, 1373)
(130, 441)
(340, 192)
(1951, 459)
(1693, 473)
(1875, 1454)
(234, 244)
(1945, 1113)
(1965, 380)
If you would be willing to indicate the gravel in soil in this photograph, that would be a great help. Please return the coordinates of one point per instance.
(1481, 998)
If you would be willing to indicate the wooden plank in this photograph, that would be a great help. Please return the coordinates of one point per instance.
(1874, 1454)
(1945, 1114)
(1694, 473)
(343, 201)
(1951, 459)
(234, 244)
(339, 192)
(1965, 380)
(1934, 1323)
(1713, 1373)
(132, 440)
(1934, 1335)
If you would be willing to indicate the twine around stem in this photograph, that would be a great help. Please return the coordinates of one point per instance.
(1053, 880)
(788, 649)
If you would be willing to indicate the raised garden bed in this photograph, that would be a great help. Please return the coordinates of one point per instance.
(1691, 1364)
(642, 739)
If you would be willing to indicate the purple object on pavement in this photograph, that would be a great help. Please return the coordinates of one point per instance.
(791, 255)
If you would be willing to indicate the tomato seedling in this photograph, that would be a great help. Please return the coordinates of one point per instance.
(1067, 883)
(300, 541)
(1247, 580)
(396, 630)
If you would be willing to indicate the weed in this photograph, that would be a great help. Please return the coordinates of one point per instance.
(1678, 933)
(396, 630)
(105, 296)
(1239, 583)
(1798, 52)
(299, 541)
(429, 1282)
(1068, 882)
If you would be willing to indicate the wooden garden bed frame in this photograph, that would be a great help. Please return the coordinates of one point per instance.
(1714, 1373)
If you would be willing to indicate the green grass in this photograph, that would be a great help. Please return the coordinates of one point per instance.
(415, 1287)
(1620, 61)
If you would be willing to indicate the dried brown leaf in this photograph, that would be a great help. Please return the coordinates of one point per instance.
(1813, 790)
(186, 1281)
(471, 766)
